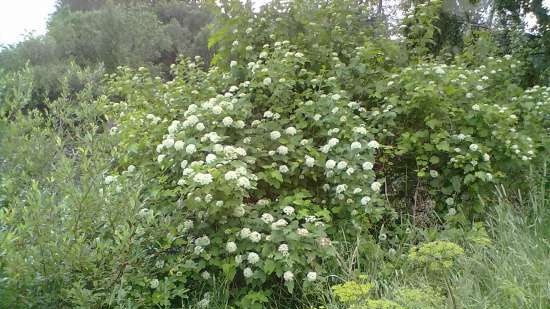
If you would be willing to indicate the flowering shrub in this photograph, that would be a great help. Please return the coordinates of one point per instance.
(264, 167)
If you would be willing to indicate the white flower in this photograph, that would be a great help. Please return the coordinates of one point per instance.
(190, 149)
(282, 150)
(365, 200)
(131, 168)
(202, 241)
(154, 283)
(227, 121)
(160, 158)
(367, 166)
(434, 173)
(375, 186)
(205, 275)
(233, 63)
(238, 211)
(178, 145)
(247, 272)
(210, 158)
(332, 142)
(202, 178)
(311, 276)
(279, 223)
(342, 165)
(302, 232)
(288, 210)
(310, 162)
(373, 144)
(486, 157)
(238, 259)
(450, 201)
(360, 130)
(169, 142)
(452, 211)
(231, 247)
(330, 164)
(203, 303)
(231, 175)
(200, 126)
(355, 145)
(283, 249)
(268, 114)
(243, 182)
(275, 135)
(291, 131)
(283, 169)
(245, 232)
(267, 81)
(336, 97)
(255, 237)
(475, 107)
(474, 147)
(267, 218)
(341, 188)
(111, 179)
(288, 276)
(253, 258)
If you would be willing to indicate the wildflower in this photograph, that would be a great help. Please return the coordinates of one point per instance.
(434, 173)
(288, 210)
(452, 211)
(231, 247)
(200, 126)
(288, 276)
(290, 131)
(110, 179)
(282, 150)
(227, 121)
(367, 166)
(486, 157)
(341, 188)
(332, 142)
(275, 135)
(253, 258)
(279, 223)
(233, 63)
(243, 182)
(475, 107)
(450, 201)
(255, 237)
(160, 158)
(202, 178)
(203, 303)
(202, 241)
(190, 149)
(311, 276)
(355, 145)
(238, 259)
(231, 175)
(330, 164)
(238, 211)
(268, 114)
(131, 168)
(474, 147)
(302, 232)
(169, 142)
(283, 249)
(178, 145)
(267, 218)
(205, 275)
(247, 272)
(267, 81)
(342, 165)
(365, 200)
(375, 186)
(210, 158)
(310, 162)
(373, 144)
(154, 283)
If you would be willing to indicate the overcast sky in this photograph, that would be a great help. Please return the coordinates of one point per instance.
(18, 17)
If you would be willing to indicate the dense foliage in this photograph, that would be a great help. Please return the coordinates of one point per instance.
(317, 162)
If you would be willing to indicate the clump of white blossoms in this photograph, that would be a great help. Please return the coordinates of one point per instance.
(288, 210)
(373, 144)
(202, 178)
(267, 218)
(275, 135)
(231, 247)
(311, 276)
(283, 249)
(288, 276)
(375, 186)
(309, 161)
(247, 272)
(253, 258)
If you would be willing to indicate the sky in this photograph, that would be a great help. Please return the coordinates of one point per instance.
(19, 17)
